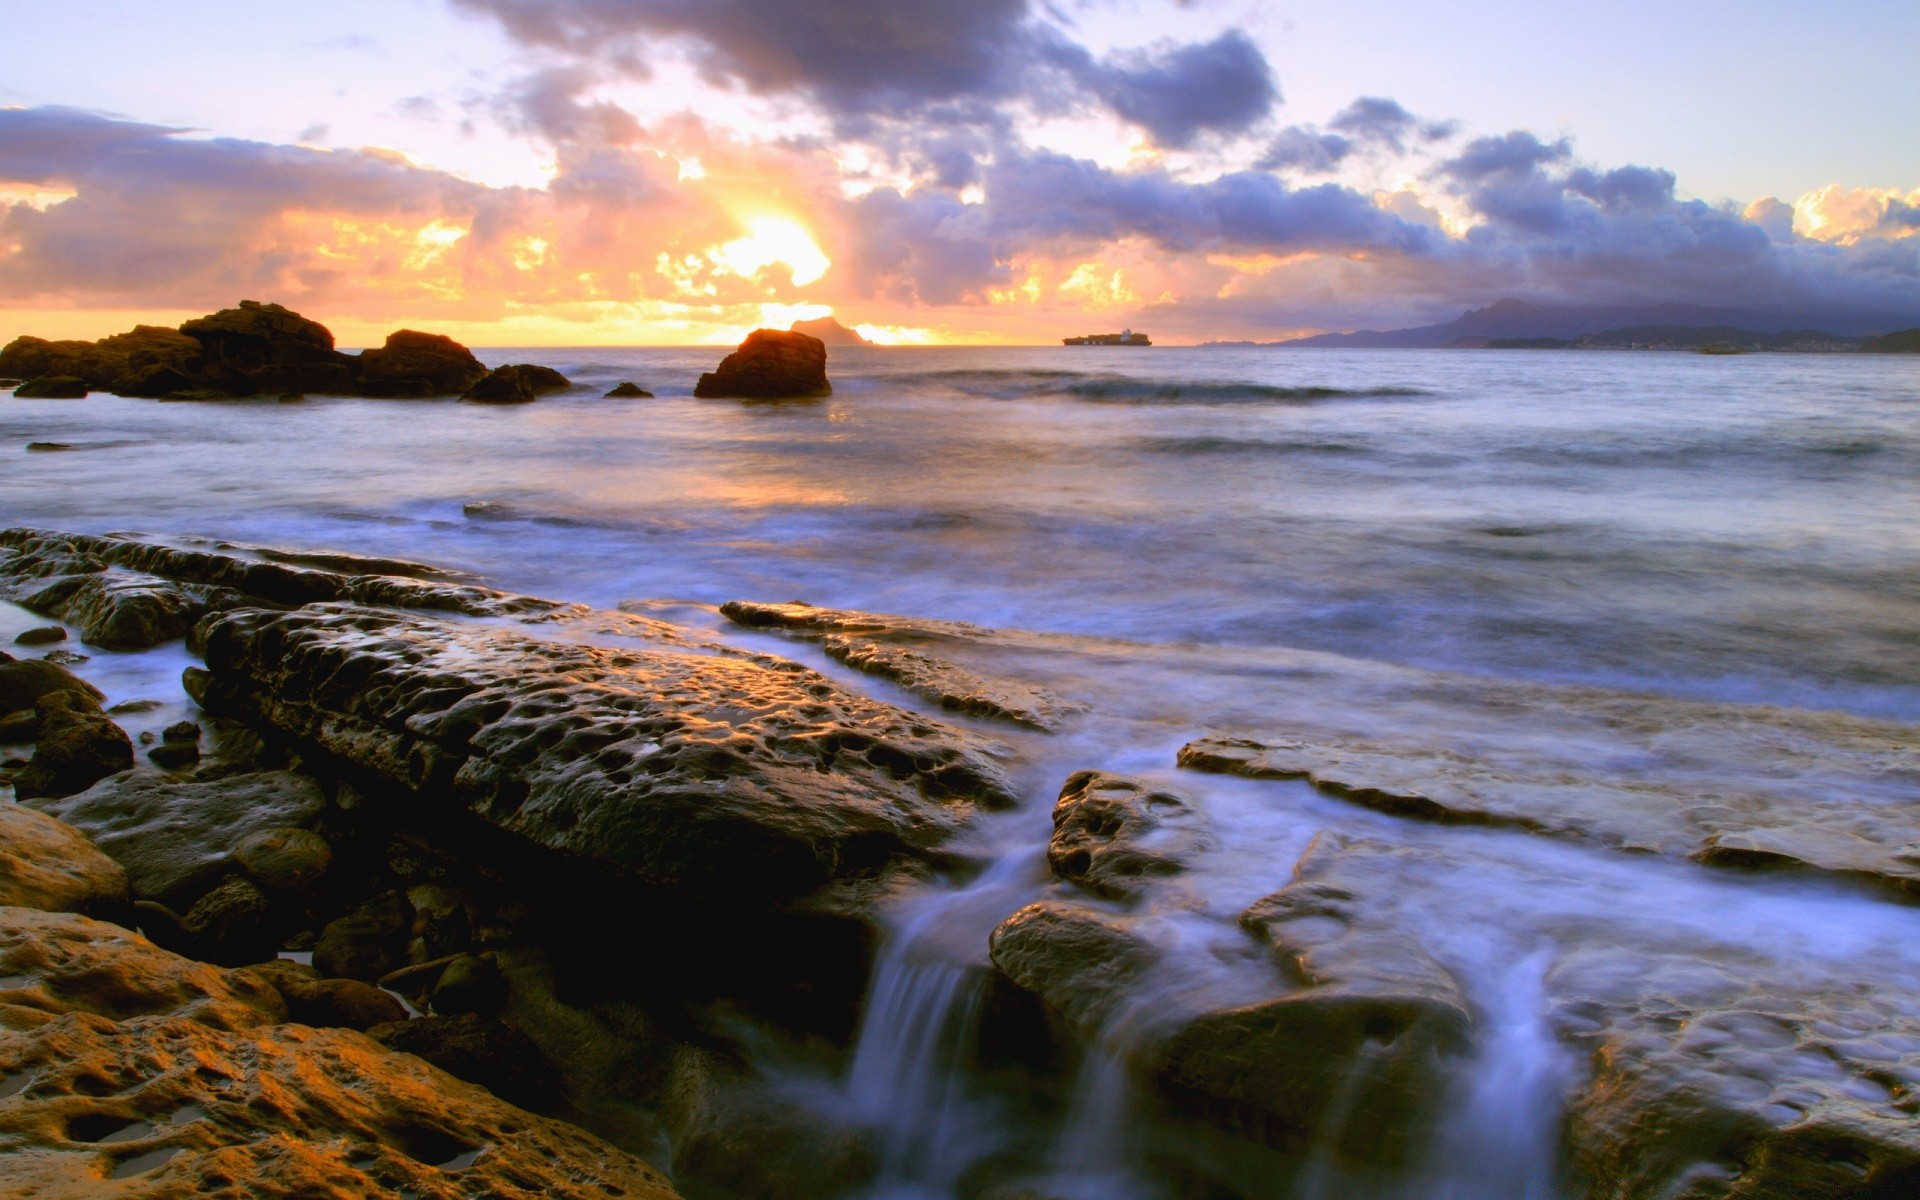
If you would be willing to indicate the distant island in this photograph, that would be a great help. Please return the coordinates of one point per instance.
(1520, 325)
(1125, 337)
(830, 331)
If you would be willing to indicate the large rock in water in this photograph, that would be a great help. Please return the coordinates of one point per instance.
(520, 383)
(734, 781)
(414, 365)
(770, 365)
(148, 1076)
(1355, 1021)
(266, 348)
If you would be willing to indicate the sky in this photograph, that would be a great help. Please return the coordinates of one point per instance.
(540, 172)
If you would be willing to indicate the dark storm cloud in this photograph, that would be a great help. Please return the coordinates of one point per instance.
(1223, 86)
(942, 62)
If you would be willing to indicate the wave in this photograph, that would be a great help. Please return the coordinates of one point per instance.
(1224, 445)
(1126, 389)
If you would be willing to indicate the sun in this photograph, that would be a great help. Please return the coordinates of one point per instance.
(772, 240)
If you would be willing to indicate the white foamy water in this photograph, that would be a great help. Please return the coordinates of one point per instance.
(1731, 529)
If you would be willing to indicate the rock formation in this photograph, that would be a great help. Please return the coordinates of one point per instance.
(628, 391)
(414, 365)
(830, 332)
(770, 365)
(521, 383)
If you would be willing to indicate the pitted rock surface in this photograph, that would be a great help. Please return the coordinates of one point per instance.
(46, 864)
(1869, 832)
(1110, 831)
(132, 1072)
(732, 778)
(175, 837)
(53, 964)
(902, 649)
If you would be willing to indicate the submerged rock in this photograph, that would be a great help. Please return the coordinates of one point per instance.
(628, 391)
(414, 365)
(732, 781)
(770, 365)
(46, 635)
(521, 383)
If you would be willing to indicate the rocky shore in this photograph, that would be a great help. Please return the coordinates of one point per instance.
(448, 891)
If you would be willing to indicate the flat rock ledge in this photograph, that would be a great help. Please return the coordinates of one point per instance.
(1848, 836)
(904, 650)
(730, 780)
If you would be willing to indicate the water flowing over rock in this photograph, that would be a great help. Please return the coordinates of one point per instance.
(1767, 820)
(770, 365)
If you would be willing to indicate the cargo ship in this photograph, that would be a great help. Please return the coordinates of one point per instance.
(1125, 337)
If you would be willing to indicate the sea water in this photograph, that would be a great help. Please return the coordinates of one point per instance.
(1213, 526)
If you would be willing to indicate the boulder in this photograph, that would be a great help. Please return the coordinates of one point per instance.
(733, 780)
(770, 365)
(24, 683)
(258, 348)
(471, 983)
(46, 864)
(46, 635)
(231, 925)
(52, 387)
(149, 1077)
(416, 365)
(341, 1003)
(283, 860)
(520, 383)
(153, 361)
(176, 838)
(628, 391)
(366, 943)
(78, 747)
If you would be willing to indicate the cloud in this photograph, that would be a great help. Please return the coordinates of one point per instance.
(1308, 151)
(1384, 122)
(1179, 93)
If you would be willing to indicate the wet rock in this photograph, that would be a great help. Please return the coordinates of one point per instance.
(67, 658)
(521, 383)
(46, 864)
(47, 447)
(415, 365)
(366, 943)
(734, 781)
(181, 731)
(19, 727)
(46, 635)
(471, 983)
(628, 391)
(27, 358)
(1111, 831)
(152, 361)
(1768, 823)
(171, 1078)
(770, 365)
(78, 747)
(232, 925)
(115, 608)
(174, 756)
(283, 861)
(176, 838)
(327, 1003)
(52, 387)
(258, 348)
(901, 649)
(60, 963)
(479, 1050)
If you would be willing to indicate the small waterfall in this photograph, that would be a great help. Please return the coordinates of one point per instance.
(1093, 1159)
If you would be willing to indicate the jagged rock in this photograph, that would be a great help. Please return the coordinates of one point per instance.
(175, 837)
(479, 1050)
(46, 635)
(416, 365)
(628, 391)
(78, 747)
(52, 387)
(521, 383)
(47, 864)
(1110, 831)
(151, 1077)
(734, 781)
(23, 684)
(1767, 824)
(897, 648)
(770, 365)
